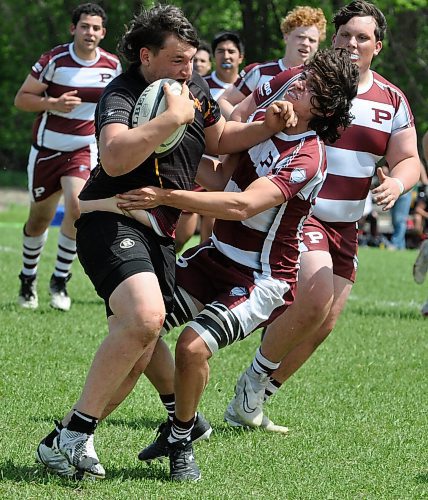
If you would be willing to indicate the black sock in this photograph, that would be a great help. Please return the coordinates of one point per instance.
(81, 422)
(50, 437)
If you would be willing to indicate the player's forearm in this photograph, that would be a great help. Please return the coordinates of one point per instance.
(224, 205)
(407, 171)
(226, 107)
(25, 101)
(238, 136)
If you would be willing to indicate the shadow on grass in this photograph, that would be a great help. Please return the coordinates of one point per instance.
(38, 474)
(135, 424)
(12, 306)
(132, 423)
(40, 311)
(422, 478)
(386, 312)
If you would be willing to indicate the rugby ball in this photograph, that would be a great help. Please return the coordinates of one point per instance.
(152, 103)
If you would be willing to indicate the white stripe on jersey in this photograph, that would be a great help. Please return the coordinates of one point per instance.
(255, 77)
(338, 210)
(339, 161)
(260, 221)
(66, 142)
(80, 77)
(84, 111)
(243, 257)
(269, 239)
(220, 83)
(362, 109)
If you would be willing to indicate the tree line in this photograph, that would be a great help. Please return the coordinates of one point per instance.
(27, 29)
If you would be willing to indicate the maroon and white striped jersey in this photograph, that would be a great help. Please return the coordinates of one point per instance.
(62, 70)
(380, 110)
(217, 86)
(269, 241)
(256, 74)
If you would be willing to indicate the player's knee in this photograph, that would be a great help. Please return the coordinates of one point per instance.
(190, 351)
(317, 309)
(145, 326)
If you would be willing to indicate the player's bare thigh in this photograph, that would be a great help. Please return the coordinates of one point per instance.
(314, 296)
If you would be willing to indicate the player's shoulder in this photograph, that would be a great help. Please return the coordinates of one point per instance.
(385, 85)
(114, 59)
(257, 66)
(62, 50)
(128, 83)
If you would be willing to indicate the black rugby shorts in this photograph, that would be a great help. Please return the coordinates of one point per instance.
(112, 247)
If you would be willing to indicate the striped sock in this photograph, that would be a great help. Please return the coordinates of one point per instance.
(180, 430)
(261, 364)
(271, 388)
(168, 400)
(31, 252)
(65, 256)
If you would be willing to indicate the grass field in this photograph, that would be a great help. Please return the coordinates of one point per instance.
(357, 410)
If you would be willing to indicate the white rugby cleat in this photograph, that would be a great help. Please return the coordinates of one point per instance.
(233, 420)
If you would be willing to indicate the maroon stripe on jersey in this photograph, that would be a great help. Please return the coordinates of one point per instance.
(68, 126)
(212, 84)
(385, 92)
(67, 61)
(87, 94)
(337, 187)
(234, 233)
(359, 138)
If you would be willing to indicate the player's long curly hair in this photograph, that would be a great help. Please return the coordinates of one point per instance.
(151, 28)
(334, 83)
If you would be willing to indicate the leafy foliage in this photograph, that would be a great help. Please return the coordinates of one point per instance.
(27, 29)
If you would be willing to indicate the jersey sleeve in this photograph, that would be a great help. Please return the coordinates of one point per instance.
(212, 114)
(274, 89)
(300, 174)
(204, 101)
(248, 79)
(403, 117)
(44, 68)
(114, 107)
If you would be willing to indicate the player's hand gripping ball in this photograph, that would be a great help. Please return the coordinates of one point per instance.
(152, 103)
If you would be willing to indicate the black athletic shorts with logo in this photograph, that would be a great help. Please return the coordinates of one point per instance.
(112, 247)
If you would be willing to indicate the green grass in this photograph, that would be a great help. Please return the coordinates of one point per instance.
(357, 410)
